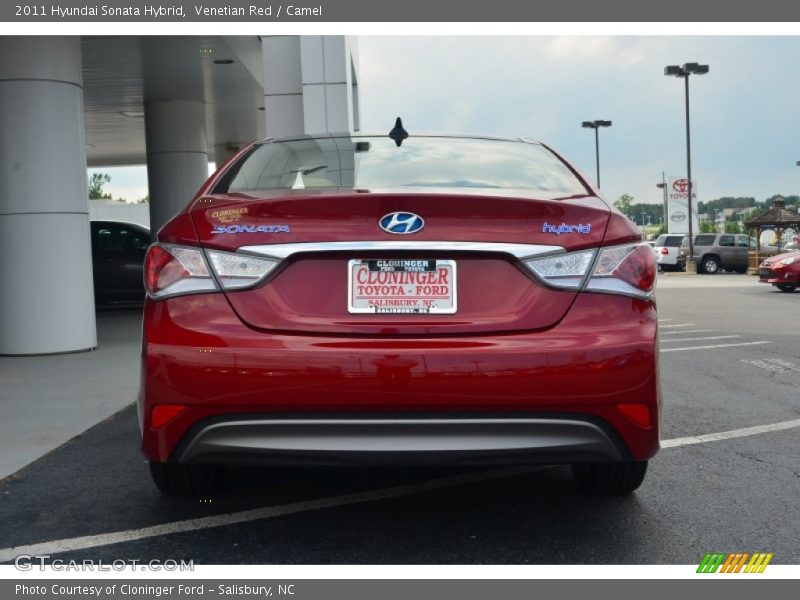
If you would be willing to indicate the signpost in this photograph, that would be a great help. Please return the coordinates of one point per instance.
(677, 206)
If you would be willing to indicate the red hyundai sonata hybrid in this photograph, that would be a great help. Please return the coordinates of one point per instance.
(399, 300)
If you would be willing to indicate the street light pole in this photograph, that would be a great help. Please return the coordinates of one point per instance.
(689, 176)
(684, 71)
(596, 125)
(663, 186)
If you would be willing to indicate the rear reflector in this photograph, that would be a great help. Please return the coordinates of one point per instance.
(164, 413)
(639, 414)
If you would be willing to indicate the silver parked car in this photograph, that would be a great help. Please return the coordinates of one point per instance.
(717, 251)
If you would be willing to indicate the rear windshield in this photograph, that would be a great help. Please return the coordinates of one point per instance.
(670, 241)
(420, 162)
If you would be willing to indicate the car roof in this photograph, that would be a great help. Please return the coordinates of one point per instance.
(374, 134)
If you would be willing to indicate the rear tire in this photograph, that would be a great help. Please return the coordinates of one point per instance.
(178, 480)
(786, 287)
(609, 478)
(709, 264)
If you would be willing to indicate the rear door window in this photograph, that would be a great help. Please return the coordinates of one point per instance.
(743, 241)
(727, 241)
(133, 242)
(704, 240)
(669, 241)
(107, 241)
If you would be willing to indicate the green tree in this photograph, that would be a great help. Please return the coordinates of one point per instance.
(96, 183)
(732, 227)
(623, 204)
(708, 227)
(718, 204)
(788, 200)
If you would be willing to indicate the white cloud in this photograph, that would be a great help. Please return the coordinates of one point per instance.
(617, 51)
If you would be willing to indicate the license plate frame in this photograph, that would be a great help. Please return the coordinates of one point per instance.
(423, 305)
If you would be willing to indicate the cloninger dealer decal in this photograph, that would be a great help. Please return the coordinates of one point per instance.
(229, 215)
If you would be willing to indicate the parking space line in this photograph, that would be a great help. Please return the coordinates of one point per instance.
(673, 326)
(267, 512)
(713, 337)
(727, 435)
(684, 331)
(271, 512)
(714, 346)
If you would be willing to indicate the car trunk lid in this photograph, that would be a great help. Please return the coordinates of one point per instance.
(318, 235)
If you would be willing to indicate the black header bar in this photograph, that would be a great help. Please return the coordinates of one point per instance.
(463, 11)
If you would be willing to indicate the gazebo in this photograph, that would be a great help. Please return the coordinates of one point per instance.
(778, 218)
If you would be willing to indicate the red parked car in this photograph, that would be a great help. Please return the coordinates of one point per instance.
(782, 271)
(399, 300)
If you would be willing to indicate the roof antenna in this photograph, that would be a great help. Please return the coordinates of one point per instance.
(398, 134)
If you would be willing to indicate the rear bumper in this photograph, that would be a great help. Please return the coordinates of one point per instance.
(408, 441)
(666, 259)
(199, 355)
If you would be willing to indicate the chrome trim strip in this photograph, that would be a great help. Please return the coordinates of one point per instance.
(520, 251)
(362, 440)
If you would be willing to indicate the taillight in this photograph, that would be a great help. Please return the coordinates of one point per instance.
(566, 271)
(664, 251)
(628, 270)
(171, 270)
(237, 271)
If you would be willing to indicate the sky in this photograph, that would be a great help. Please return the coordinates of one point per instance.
(745, 112)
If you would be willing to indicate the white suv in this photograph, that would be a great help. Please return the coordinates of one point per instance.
(667, 252)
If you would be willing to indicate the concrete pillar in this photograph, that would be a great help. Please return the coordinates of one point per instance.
(310, 84)
(177, 155)
(327, 71)
(46, 299)
(175, 125)
(283, 85)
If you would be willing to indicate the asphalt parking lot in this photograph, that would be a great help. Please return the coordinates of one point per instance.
(730, 364)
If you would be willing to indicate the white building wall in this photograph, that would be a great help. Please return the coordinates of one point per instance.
(120, 211)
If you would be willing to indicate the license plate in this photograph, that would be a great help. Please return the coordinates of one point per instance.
(401, 286)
